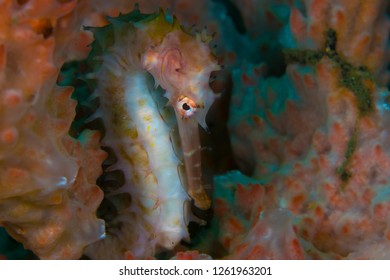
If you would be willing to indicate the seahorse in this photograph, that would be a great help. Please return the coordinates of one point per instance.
(134, 60)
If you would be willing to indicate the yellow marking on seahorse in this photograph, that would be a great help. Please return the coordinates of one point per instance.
(141, 102)
(159, 27)
(147, 118)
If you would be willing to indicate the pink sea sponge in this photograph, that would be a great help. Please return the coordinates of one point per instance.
(271, 237)
(315, 140)
(48, 196)
(191, 255)
(362, 29)
(251, 226)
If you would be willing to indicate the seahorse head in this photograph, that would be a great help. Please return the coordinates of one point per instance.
(181, 64)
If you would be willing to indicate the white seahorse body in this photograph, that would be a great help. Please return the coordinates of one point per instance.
(138, 130)
(154, 134)
(139, 136)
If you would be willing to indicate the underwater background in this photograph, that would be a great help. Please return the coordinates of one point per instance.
(286, 102)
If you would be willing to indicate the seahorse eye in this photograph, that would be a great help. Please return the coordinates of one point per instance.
(186, 107)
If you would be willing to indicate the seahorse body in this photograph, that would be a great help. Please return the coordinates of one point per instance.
(150, 203)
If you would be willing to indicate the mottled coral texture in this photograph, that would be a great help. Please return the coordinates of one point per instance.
(308, 123)
(48, 196)
(314, 141)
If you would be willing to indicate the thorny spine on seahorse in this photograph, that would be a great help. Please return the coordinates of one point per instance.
(137, 134)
